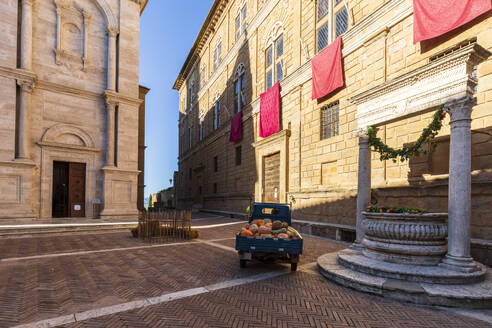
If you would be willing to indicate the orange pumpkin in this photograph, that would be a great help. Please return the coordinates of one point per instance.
(246, 233)
(259, 222)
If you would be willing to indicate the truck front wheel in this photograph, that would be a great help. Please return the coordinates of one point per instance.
(242, 263)
(293, 266)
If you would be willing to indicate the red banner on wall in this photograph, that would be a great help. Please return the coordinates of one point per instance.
(432, 18)
(236, 127)
(327, 69)
(270, 111)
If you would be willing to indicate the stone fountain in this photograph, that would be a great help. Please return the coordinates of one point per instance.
(421, 258)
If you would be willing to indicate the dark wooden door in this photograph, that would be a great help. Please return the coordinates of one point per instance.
(60, 190)
(76, 187)
(271, 178)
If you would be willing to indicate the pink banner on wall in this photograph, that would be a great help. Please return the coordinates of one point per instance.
(327, 69)
(270, 111)
(236, 127)
(432, 18)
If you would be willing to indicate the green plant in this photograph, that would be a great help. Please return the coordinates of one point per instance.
(394, 209)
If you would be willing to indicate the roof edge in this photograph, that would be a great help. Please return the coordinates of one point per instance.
(190, 59)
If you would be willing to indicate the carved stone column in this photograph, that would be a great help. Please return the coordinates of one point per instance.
(24, 126)
(26, 35)
(459, 197)
(112, 58)
(363, 184)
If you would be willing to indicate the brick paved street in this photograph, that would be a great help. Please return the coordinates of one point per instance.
(103, 273)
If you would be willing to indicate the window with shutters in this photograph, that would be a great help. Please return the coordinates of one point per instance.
(332, 21)
(329, 120)
(274, 62)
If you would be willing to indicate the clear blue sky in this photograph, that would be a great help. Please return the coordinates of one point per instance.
(168, 30)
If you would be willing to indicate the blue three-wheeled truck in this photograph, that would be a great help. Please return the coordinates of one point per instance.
(268, 248)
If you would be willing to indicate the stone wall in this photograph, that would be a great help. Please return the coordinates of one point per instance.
(66, 83)
(321, 174)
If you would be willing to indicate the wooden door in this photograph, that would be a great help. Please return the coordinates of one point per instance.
(76, 187)
(60, 190)
(271, 178)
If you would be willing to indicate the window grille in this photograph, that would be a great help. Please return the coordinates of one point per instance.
(216, 164)
(329, 120)
(341, 22)
(323, 37)
(323, 8)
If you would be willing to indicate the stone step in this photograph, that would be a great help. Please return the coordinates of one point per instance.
(26, 230)
(472, 296)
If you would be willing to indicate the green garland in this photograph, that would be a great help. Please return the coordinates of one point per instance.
(386, 152)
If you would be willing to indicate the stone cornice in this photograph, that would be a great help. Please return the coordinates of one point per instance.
(117, 98)
(472, 52)
(142, 4)
(60, 88)
(445, 78)
(206, 30)
(120, 170)
(67, 146)
(18, 74)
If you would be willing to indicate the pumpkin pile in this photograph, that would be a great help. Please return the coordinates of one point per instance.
(267, 228)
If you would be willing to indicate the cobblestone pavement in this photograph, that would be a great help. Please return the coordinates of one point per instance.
(43, 287)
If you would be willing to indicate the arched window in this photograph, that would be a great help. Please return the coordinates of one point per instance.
(239, 86)
(274, 69)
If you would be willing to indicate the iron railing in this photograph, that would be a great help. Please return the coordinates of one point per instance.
(164, 225)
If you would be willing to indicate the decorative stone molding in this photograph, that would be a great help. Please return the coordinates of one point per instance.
(460, 109)
(117, 98)
(72, 35)
(445, 79)
(418, 239)
(52, 136)
(239, 71)
(276, 31)
(26, 85)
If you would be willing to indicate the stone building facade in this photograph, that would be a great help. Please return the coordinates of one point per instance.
(313, 161)
(69, 73)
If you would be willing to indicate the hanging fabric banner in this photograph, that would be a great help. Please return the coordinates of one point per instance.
(236, 127)
(432, 18)
(270, 111)
(327, 69)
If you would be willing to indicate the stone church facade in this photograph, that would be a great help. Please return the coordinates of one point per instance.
(313, 161)
(70, 103)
